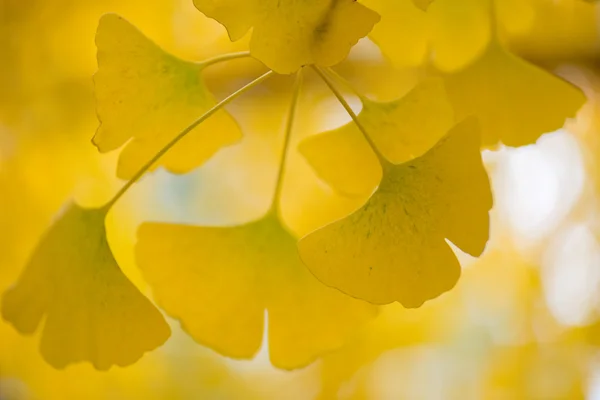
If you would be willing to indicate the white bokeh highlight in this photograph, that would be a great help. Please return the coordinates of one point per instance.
(536, 186)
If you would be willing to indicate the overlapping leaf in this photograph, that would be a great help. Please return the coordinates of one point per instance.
(92, 311)
(515, 101)
(454, 33)
(145, 97)
(393, 248)
(289, 34)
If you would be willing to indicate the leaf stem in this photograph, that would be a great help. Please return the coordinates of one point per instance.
(182, 134)
(224, 57)
(286, 139)
(384, 163)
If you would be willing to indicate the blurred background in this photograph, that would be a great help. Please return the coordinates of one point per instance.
(522, 323)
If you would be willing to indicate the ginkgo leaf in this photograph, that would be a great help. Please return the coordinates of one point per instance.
(516, 102)
(401, 129)
(393, 248)
(147, 97)
(218, 281)
(289, 34)
(92, 311)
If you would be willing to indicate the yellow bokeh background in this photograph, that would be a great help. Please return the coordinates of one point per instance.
(523, 321)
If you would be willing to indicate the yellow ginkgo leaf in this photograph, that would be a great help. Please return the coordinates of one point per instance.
(516, 102)
(402, 130)
(289, 34)
(149, 96)
(393, 248)
(218, 281)
(92, 311)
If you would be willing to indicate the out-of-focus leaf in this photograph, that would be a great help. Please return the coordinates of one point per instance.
(515, 101)
(454, 33)
(562, 31)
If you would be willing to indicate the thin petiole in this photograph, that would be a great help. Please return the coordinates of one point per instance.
(224, 57)
(289, 126)
(384, 163)
(182, 134)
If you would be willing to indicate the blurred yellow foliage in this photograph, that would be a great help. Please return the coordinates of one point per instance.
(375, 188)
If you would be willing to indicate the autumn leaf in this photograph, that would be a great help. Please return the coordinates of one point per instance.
(146, 96)
(393, 248)
(218, 281)
(289, 34)
(92, 311)
(516, 102)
